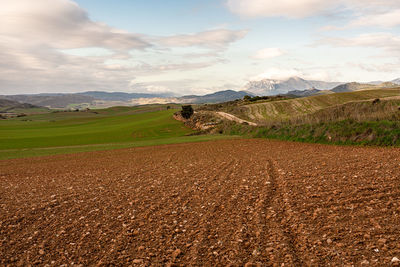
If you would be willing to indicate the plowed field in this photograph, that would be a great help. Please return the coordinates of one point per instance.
(233, 202)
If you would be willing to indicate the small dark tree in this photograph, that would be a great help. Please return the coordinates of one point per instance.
(168, 107)
(187, 111)
(376, 101)
(247, 98)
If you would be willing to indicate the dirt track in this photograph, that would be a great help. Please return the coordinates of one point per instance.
(217, 203)
(234, 118)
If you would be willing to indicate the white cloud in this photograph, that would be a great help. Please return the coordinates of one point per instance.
(388, 19)
(306, 8)
(386, 41)
(215, 39)
(284, 8)
(267, 53)
(276, 74)
(372, 18)
(61, 24)
(387, 67)
(54, 46)
(285, 73)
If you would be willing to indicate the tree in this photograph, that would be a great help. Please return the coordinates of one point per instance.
(187, 111)
(247, 98)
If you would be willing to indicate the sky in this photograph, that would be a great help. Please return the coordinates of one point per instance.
(182, 47)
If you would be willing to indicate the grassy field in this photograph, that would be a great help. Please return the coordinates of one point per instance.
(67, 132)
(285, 109)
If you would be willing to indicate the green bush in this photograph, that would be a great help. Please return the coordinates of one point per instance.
(187, 111)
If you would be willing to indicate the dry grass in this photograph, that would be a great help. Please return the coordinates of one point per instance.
(357, 111)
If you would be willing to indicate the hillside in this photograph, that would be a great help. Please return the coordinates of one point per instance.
(221, 96)
(5, 104)
(350, 87)
(285, 109)
(75, 131)
(119, 96)
(308, 92)
(51, 101)
(11, 106)
(366, 117)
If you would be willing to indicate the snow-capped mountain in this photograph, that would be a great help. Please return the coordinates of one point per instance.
(396, 81)
(262, 87)
(273, 87)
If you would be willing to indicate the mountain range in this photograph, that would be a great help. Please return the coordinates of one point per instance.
(50, 100)
(301, 87)
(353, 86)
(220, 96)
(120, 96)
(274, 87)
(294, 86)
(8, 105)
(107, 99)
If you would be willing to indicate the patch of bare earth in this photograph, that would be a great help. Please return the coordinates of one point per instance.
(217, 203)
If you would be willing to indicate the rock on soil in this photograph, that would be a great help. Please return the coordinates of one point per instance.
(232, 202)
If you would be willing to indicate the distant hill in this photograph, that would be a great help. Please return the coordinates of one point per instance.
(274, 87)
(309, 92)
(11, 106)
(51, 101)
(119, 96)
(217, 97)
(5, 103)
(353, 86)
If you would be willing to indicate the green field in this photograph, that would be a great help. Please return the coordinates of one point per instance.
(67, 132)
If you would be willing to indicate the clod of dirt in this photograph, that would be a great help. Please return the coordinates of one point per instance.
(176, 254)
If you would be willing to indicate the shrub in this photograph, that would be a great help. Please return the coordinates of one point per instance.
(187, 111)
(246, 97)
(376, 101)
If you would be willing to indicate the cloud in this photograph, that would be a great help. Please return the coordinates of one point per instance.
(54, 46)
(373, 68)
(180, 87)
(61, 24)
(39, 69)
(283, 8)
(386, 41)
(267, 53)
(375, 18)
(306, 8)
(276, 74)
(214, 39)
(285, 73)
(388, 20)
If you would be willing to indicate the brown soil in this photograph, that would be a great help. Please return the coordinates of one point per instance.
(222, 203)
